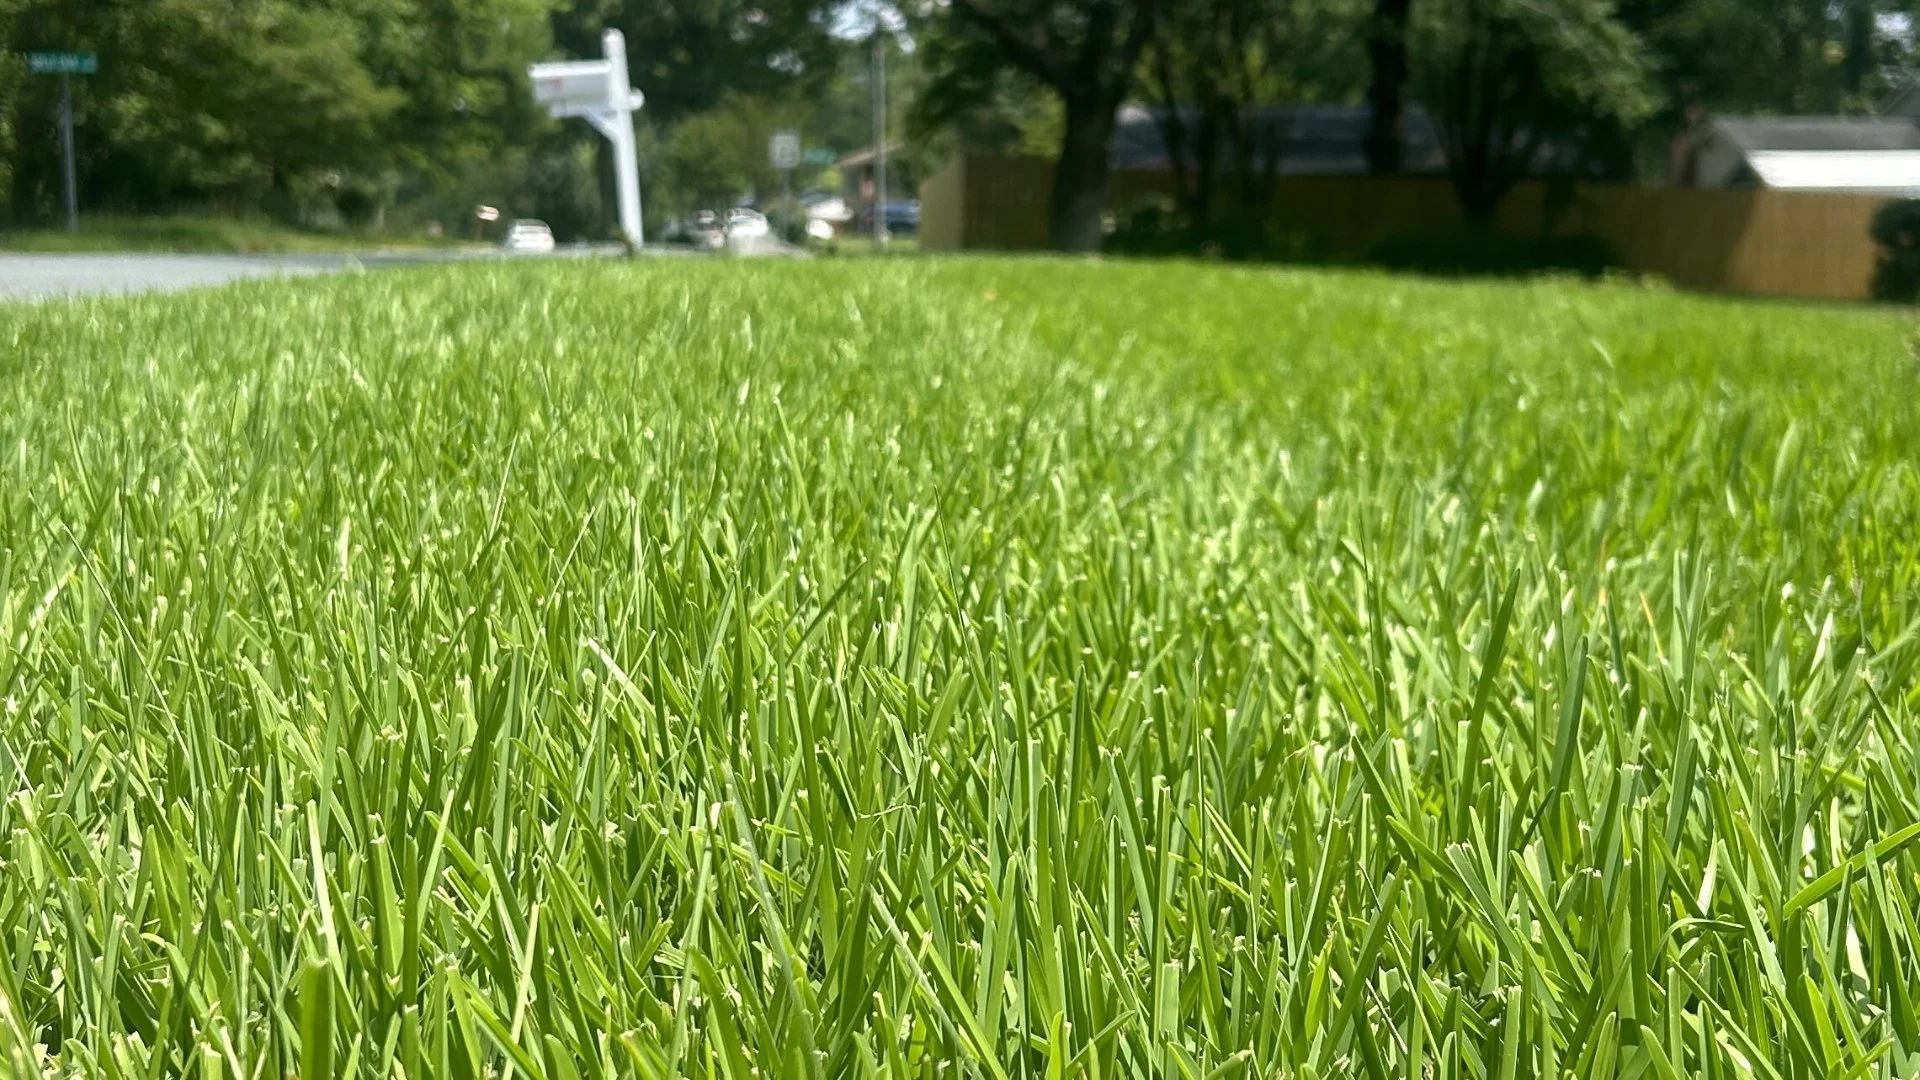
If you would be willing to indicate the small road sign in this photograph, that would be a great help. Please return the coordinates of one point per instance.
(784, 149)
(63, 63)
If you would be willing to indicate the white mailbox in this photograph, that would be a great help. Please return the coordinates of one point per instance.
(597, 90)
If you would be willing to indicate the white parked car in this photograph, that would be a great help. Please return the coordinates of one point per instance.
(529, 235)
(745, 224)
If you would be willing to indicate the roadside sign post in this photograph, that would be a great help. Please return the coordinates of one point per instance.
(67, 171)
(880, 235)
(784, 151)
(66, 65)
(597, 90)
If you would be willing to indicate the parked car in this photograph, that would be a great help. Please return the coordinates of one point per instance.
(709, 232)
(702, 231)
(529, 235)
(745, 224)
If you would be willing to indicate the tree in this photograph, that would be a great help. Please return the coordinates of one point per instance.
(1222, 75)
(960, 94)
(714, 156)
(688, 57)
(1387, 55)
(1507, 80)
(1086, 53)
(308, 107)
(1775, 56)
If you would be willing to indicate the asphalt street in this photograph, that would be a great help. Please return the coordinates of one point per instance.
(25, 277)
(37, 276)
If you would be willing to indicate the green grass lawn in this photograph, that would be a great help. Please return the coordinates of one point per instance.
(198, 233)
(956, 668)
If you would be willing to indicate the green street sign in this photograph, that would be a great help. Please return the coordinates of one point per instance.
(63, 63)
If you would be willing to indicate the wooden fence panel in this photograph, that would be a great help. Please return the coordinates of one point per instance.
(1766, 242)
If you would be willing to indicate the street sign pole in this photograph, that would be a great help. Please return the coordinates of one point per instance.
(880, 234)
(66, 65)
(66, 152)
(783, 153)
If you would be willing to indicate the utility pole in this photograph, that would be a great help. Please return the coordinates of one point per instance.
(880, 235)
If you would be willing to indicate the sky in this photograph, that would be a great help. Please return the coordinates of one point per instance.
(855, 18)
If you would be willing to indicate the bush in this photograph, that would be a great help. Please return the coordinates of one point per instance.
(1486, 253)
(1159, 227)
(1896, 230)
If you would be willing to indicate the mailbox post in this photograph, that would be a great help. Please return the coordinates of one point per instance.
(598, 91)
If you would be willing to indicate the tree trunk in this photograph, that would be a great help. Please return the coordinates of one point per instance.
(1206, 173)
(1080, 178)
(1478, 190)
(1859, 44)
(1387, 48)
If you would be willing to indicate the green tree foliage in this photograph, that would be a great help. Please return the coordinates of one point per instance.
(960, 94)
(1085, 52)
(693, 56)
(1216, 71)
(1776, 56)
(300, 106)
(716, 155)
(1509, 80)
(689, 55)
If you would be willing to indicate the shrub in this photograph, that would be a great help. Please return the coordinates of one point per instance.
(1160, 227)
(1896, 230)
(1487, 253)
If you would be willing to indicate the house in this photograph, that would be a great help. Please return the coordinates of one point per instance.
(1903, 100)
(857, 171)
(1878, 155)
(1311, 140)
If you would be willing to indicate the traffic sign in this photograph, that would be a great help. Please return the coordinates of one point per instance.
(63, 63)
(784, 149)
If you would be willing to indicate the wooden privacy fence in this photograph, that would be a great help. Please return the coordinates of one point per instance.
(1755, 241)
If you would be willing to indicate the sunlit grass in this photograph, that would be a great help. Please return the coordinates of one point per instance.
(980, 668)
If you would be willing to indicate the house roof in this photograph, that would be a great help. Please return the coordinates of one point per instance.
(1880, 172)
(865, 156)
(1327, 140)
(1754, 134)
(1902, 100)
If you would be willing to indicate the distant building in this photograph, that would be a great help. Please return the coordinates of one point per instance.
(1303, 140)
(1904, 100)
(1878, 155)
(857, 174)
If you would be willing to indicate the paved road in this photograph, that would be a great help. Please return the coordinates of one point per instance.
(30, 276)
(25, 277)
